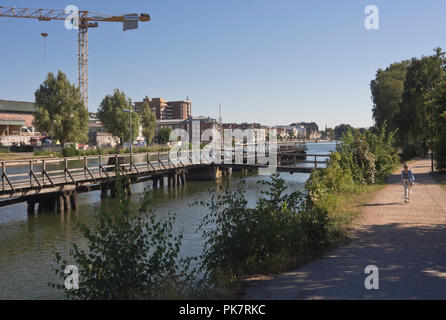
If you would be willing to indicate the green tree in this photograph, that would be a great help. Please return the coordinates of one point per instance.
(387, 94)
(115, 121)
(163, 135)
(440, 117)
(60, 110)
(418, 108)
(341, 130)
(148, 123)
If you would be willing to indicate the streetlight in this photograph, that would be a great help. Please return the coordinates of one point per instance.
(130, 135)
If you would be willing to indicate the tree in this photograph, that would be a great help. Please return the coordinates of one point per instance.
(440, 138)
(341, 130)
(115, 121)
(60, 110)
(387, 94)
(163, 135)
(148, 123)
(416, 120)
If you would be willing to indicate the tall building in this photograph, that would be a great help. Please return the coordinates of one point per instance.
(167, 110)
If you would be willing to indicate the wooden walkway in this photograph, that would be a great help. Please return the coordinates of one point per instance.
(22, 180)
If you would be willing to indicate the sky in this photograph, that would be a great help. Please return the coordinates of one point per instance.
(268, 61)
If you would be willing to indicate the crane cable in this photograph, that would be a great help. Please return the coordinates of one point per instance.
(44, 35)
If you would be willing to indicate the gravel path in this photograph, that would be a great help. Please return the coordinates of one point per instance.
(406, 242)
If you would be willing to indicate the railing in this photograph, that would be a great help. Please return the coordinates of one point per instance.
(22, 175)
(38, 173)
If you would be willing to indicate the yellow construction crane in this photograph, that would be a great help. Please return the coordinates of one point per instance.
(83, 20)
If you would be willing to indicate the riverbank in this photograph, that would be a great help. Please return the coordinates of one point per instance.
(406, 243)
(346, 211)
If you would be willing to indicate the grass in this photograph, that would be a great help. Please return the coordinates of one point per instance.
(20, 156)
(348, 207)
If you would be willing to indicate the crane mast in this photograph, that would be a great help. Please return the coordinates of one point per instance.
(86, 20)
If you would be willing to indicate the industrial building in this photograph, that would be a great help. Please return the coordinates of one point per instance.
(16, 117)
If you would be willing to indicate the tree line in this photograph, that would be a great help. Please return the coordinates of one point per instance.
(61, 113)
(410, 97)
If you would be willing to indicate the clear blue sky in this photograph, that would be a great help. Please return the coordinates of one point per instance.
(268, 61)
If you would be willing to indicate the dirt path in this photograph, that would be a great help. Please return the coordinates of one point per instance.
(406, 242)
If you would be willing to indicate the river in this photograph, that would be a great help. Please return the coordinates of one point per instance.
(27, 242)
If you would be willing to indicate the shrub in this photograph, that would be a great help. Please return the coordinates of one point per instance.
(382, 147)
(129, 256)
(70, 151)
(273, 235)
(356, 157)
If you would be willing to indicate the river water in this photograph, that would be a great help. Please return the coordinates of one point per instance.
(27, 242)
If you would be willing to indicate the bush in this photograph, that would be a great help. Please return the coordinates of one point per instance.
(280, 230)
(129, 256)
(70, 151)
(324, 186)
(382, 147)
(355, 156)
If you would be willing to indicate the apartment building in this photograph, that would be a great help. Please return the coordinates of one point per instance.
(167, 110)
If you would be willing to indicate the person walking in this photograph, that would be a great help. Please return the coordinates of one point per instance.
(408, 180)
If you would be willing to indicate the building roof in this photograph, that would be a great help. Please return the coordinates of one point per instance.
(17, 106)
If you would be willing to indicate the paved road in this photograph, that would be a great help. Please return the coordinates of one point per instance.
(406, 242)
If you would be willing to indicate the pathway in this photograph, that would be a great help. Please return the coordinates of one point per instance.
(406, 242)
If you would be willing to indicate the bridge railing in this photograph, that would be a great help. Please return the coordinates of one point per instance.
(42, 172)
(16, 174)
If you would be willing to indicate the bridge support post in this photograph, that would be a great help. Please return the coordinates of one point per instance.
(128, 186)
(103, 190)
(161, 181)
(113, 189)
(155, 182)
(31, 207)
(60, 203)
(73, 199)
(67, 202)
(183, 178)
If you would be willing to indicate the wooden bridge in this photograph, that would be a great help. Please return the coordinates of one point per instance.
(53, 183)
